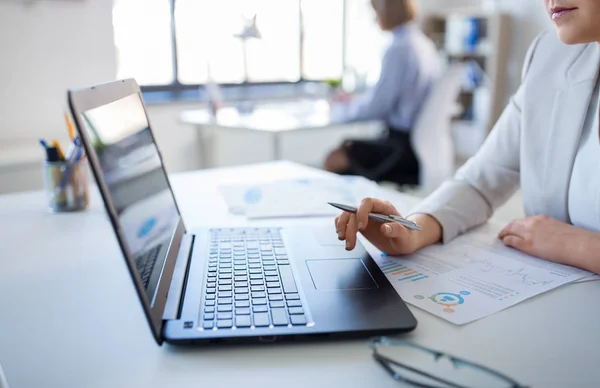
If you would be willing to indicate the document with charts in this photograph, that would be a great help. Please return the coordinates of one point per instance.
(296, 197)
(472, 277)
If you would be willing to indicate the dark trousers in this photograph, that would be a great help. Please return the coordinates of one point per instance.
(390, 158)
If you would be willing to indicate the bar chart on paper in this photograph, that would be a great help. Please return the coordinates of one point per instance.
(399, 272)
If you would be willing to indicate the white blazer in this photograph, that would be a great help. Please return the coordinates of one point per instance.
(533, 144)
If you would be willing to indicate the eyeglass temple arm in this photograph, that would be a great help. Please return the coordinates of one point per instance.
(384, 361)
(457, 361)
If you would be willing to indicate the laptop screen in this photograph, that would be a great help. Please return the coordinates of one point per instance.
(132, 171)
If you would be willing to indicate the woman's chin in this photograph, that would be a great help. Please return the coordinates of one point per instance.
(569, 36)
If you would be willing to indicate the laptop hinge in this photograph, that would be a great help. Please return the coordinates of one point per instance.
(176, 290)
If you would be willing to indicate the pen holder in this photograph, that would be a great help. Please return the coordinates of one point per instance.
(66, 186)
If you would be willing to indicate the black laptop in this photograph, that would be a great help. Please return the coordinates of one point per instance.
(221, 284)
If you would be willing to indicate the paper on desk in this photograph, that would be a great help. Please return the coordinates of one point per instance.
(296, 197)
(588, 279)
(472, 277)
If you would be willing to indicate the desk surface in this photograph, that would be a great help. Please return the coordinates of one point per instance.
(70, 316)
(269, 117)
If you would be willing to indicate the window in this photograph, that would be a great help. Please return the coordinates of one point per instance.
(143, 41)
(175, 44)
(365, 41)
(205, 32)
(323, 54)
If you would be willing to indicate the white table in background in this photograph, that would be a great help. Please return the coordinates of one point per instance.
(70, 316)
(303, 131)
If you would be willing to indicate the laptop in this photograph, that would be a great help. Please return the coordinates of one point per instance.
(221, 284)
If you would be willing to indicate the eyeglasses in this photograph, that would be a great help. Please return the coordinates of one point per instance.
(427, 368)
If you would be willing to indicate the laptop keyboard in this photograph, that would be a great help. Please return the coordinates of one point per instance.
(250, 282)
(145, 263)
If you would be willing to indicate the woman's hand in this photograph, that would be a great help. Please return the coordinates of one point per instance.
(550, 239)
(391, 238)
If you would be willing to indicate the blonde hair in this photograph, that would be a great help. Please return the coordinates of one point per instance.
(393, 13)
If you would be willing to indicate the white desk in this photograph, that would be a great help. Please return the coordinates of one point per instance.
(70, 317)
(273, 131)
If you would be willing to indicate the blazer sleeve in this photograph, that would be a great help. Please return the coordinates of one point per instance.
(488, 179)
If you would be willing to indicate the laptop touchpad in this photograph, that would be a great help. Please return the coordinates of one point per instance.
(340, 274)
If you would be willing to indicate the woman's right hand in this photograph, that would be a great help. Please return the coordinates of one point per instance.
(391, 238)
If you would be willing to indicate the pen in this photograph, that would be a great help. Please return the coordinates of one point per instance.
(52, 154)
(72, 148)
(56, 145)
(380, 217)
(70, 126)
(43, 143)
(70, 163)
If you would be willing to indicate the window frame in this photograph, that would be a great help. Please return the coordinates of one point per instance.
(176, 89)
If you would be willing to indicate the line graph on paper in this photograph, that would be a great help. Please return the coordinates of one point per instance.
(519, 274)
(514, 272)
(492, 259)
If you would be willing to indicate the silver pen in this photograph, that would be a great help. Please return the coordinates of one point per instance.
(380, 217)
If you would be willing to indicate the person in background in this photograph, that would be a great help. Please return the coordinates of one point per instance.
(547, 141)
(409, 67)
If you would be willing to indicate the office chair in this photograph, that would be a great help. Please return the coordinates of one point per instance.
(431, 137)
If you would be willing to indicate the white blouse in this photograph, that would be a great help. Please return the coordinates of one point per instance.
(584, 188)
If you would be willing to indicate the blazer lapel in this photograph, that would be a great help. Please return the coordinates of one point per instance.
(568, 119)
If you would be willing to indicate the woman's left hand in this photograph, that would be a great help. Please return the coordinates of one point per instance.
(540, 236)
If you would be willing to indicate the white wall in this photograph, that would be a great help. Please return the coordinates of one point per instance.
(47, 47)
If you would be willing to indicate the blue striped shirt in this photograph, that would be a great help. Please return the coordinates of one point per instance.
(408, 69)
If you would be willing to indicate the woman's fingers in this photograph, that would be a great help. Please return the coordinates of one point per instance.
(372, 205)
(347, 225)
(514, 228)
(341, 225)
(393, 230)
(351, 231)
(514, 242)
